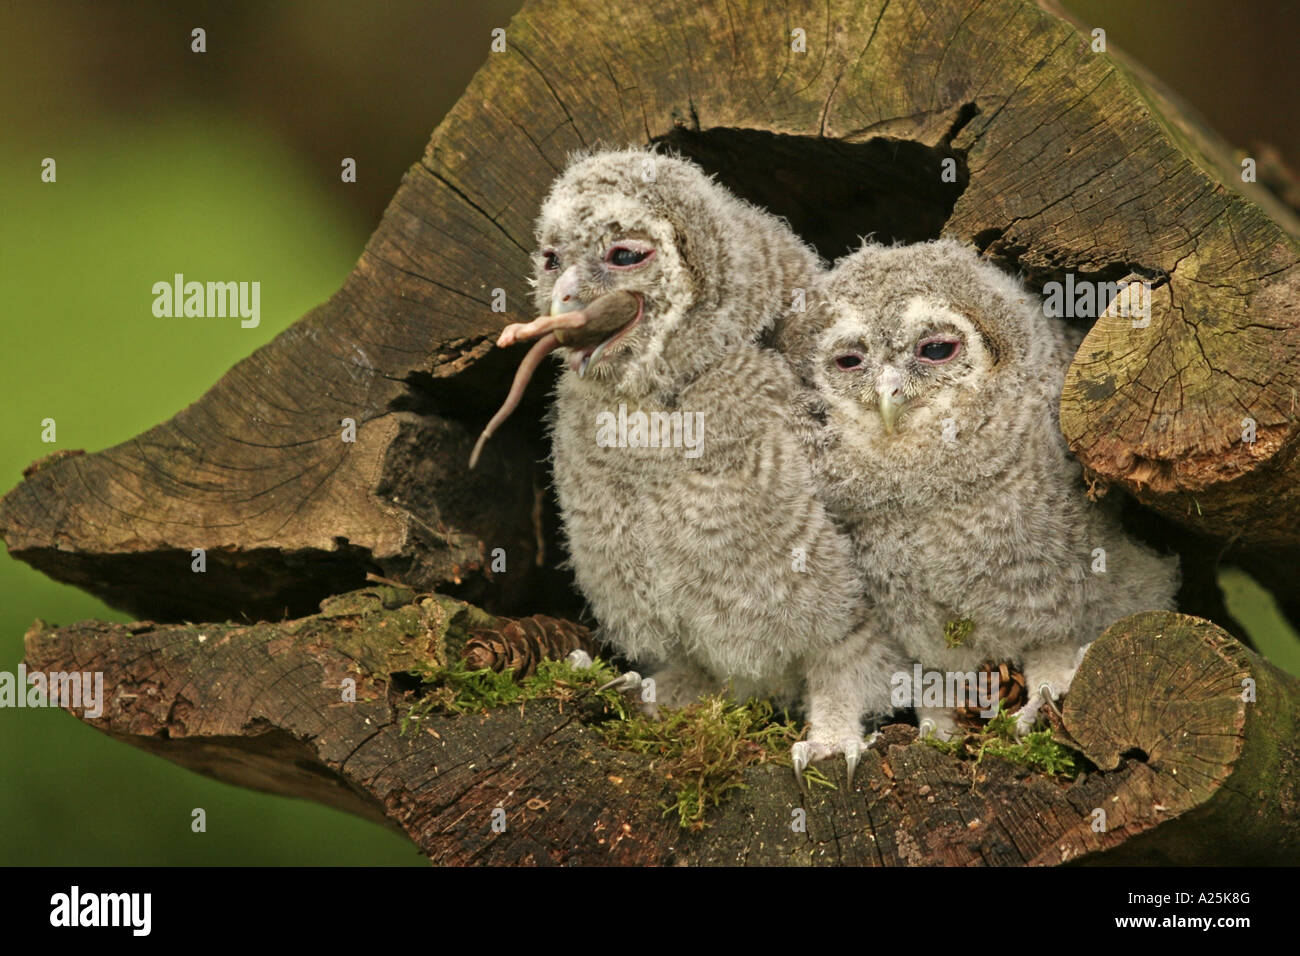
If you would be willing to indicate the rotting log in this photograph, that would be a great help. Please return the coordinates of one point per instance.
(1191, 768)
(1067, 161)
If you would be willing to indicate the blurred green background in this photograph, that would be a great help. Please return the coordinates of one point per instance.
(226, 165)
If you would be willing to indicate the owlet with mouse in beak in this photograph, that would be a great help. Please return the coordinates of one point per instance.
(680, 445)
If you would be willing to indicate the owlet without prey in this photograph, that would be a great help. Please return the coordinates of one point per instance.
(685, 487)
(944, 460)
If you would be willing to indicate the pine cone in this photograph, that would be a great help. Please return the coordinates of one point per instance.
(519, 645)
(1012, 693)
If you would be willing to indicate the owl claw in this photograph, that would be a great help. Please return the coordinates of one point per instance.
(800, 756)
(806, 751)
(937, 723)
(630, 680)
(852, 748)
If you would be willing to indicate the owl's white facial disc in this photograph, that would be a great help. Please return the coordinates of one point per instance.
(933, 364)
(895, 378)
(604, 228)
(712, 271)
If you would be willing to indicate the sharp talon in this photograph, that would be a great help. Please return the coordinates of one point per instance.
(624, 682)
(580, 659)
(799, 755)
(852, 754)
(927, 727)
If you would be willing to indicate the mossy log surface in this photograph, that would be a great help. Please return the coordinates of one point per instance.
(1190, 771)
(1068, 161)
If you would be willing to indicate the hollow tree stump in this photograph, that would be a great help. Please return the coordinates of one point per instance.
(1065, 161)
(1191, 772)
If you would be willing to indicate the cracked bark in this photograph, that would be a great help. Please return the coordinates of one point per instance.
(1067, 161)
(1190, 770)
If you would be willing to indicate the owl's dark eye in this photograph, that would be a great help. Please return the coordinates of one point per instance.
(622, 257)
(848, 362)
(550, 261)
(937, 351)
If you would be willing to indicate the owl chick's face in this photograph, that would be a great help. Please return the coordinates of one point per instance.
(615, 221)
(581, 259)
(933, 364)
(908, 370)
(710, 271)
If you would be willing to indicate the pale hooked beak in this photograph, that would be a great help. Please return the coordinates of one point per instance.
(564, 296)
(889, 387)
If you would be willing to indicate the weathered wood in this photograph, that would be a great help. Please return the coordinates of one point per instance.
(1190, 772)
(1215, 731)
(1066, 161)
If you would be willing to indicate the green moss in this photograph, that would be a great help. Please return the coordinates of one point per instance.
(455, 689)
(1038, 750)
(956, 633)
(956, 747)
(704, 748)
